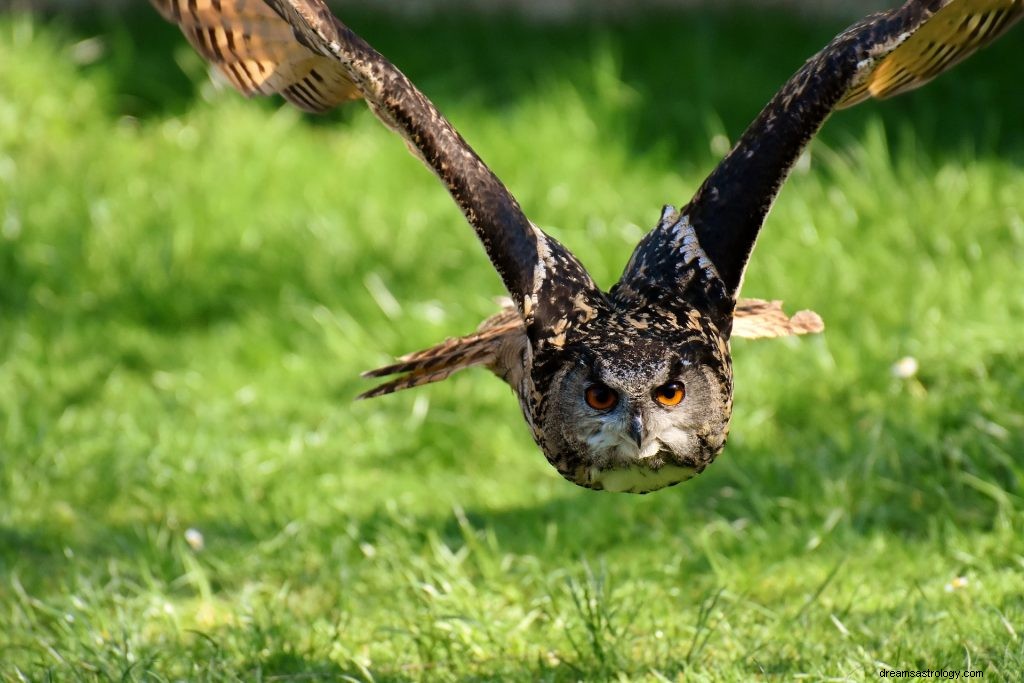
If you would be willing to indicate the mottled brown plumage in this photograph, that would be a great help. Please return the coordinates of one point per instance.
(498, 342)
(629, 389)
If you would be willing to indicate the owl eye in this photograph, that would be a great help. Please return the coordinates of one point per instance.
(601, 397)
(671, 394)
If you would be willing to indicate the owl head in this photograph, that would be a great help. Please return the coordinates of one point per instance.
(639, 402)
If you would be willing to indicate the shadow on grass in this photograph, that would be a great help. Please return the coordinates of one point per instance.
(899, 464)
(897, 468)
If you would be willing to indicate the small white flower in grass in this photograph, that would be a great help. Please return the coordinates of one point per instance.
(905, 368)
(195, 539)
(956, 584)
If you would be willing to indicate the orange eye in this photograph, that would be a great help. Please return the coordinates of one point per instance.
(671, 394)
(601, 397)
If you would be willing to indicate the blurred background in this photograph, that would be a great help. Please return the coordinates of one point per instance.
(191, 283)
(550, 9)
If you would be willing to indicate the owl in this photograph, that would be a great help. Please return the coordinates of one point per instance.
(630, 389)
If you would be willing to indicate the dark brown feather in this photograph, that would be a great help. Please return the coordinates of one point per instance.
(542, 276)
(884, 54)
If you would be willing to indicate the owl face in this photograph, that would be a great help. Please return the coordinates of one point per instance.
(635, 412)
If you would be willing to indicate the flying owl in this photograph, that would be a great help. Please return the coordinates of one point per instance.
(630, 389)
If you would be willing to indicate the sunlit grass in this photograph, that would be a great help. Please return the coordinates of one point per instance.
(191, 283)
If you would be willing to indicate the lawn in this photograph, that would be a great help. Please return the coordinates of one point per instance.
(190, 284)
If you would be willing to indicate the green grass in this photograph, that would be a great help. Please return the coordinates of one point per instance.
(190, 284)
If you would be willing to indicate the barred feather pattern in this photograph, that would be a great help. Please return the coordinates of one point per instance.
(498, 337)
(258, 53)
(954, 33)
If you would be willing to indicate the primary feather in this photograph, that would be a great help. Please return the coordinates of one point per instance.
(258, 53)
(953, 34)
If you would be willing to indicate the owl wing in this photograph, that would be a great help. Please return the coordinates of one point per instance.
(258, 53)
(299, 49)
(951, 35)
(884, 54)
(499, 337)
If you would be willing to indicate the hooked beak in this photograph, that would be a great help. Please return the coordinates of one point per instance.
(636, 430)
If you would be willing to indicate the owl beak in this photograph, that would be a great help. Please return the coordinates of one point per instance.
(636, 430)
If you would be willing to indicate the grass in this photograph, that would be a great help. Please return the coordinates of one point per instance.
(190, 284)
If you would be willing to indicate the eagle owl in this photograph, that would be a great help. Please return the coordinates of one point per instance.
(628, 389)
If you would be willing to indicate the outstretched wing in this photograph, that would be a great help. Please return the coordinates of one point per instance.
(500, 337)
(882, 55)
(760, 319)
(258, 53)
(293, 47)
(952, 35)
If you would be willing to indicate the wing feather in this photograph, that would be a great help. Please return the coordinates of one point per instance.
(882, 55)
(953, 34)
(299, 49)
(760, 319)
(258, 53)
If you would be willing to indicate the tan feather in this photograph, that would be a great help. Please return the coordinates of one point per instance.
(496, 344)
(258, 53)
(760, 319)
(484, 347)
(954, 33)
